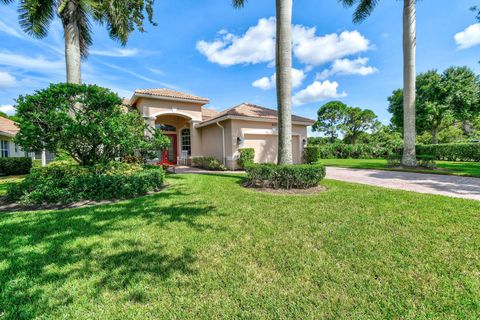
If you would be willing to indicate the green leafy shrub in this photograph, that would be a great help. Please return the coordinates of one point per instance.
(68, 183)
(246, 157)
(311, 154)
(451, 151)
(354, 151)
(426, 161)
(13, 166)
(284, 176)
(394, 160)
(209, 163)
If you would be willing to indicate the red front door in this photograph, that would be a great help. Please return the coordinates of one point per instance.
(170, 155)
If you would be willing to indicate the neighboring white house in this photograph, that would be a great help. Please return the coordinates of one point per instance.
(8, 149)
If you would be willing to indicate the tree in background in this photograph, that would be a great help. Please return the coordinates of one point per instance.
(358, 122)
(442, 100)
(283, 67)
(336, 118)
(363, 9)
(98, 132)
(330, 117)
(463, 88)
(120, 17)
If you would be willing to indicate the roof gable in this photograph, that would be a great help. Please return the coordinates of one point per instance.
(8, 126)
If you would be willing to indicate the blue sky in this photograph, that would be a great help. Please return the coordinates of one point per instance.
(210, 49)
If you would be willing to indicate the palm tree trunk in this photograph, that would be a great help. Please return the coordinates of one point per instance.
(283, 62)
(72, 44)
(409, 79)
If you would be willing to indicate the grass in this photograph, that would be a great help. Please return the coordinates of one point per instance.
(6, 181)
(206, 248)
(471, 169)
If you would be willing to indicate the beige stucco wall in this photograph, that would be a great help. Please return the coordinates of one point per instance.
(179, 114)
(262, 136)
(153, 107)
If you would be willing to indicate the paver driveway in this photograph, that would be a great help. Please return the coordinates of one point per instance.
(453, 186)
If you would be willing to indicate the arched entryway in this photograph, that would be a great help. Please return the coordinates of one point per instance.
(178, 129)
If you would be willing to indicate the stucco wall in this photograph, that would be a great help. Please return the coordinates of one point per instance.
(262, 136)
(151, 107)
(12, 153)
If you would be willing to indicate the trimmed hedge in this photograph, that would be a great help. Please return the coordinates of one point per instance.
(209, 163)
(447, 151)
(314, 153)
(451, 151)
(267, 175)
(14, 166)
(69, 183)
(246, 157)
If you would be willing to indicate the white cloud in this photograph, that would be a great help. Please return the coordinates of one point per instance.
(28, 63)
(255, 46)
(157, 71)
(117, 52)
(7, 80)
(317, 91)
(267, 83)
(314, 50)
(469, 37)
(347, 66)
(8, 109)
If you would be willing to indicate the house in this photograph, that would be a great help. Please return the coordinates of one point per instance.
(195, 130)
(8, 148)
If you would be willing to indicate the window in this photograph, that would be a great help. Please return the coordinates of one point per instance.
(165, 127)
(186, 144)
(4, 148)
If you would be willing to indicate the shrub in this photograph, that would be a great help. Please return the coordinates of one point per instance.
(426, 161)
(311, 154)
(246, 157)
(284, 176)
(13, 166)
(394, 160)
(209, 163)
(451, 151)
(68, 183)
(355, 151)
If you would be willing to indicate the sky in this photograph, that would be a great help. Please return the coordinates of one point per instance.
(210, 49)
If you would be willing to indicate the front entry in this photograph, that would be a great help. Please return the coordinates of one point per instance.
(169, 156)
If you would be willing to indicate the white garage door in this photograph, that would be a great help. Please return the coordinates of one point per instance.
(265, 146)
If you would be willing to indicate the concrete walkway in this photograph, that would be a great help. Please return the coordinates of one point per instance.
(452, 186)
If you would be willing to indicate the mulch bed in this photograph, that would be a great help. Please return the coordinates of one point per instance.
(14, 207)
(307, 191)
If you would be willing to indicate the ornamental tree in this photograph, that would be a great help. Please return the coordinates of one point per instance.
(330, 117)
(86, 121)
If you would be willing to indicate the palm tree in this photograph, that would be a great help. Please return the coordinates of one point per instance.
(120, 16)
(283, 64)
(363, 9)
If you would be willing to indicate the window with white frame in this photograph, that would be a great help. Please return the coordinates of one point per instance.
(186, 141)
(4, 149)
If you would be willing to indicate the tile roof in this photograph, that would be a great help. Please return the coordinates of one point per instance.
(208, 113)
(163, 92)
(254, 111)
(8, 126)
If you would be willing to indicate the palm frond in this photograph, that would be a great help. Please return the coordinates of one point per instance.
(122, 17)
(239, 3)
(35, 16)
(364, 8)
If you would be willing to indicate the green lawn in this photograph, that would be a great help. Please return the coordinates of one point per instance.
(5, 181)
(471, 169)
(206, 248)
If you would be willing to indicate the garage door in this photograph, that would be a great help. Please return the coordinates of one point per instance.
(265, 146)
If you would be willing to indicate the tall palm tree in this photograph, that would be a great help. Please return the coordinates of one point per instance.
(121, 17)
(363, 9)
(283, 64)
